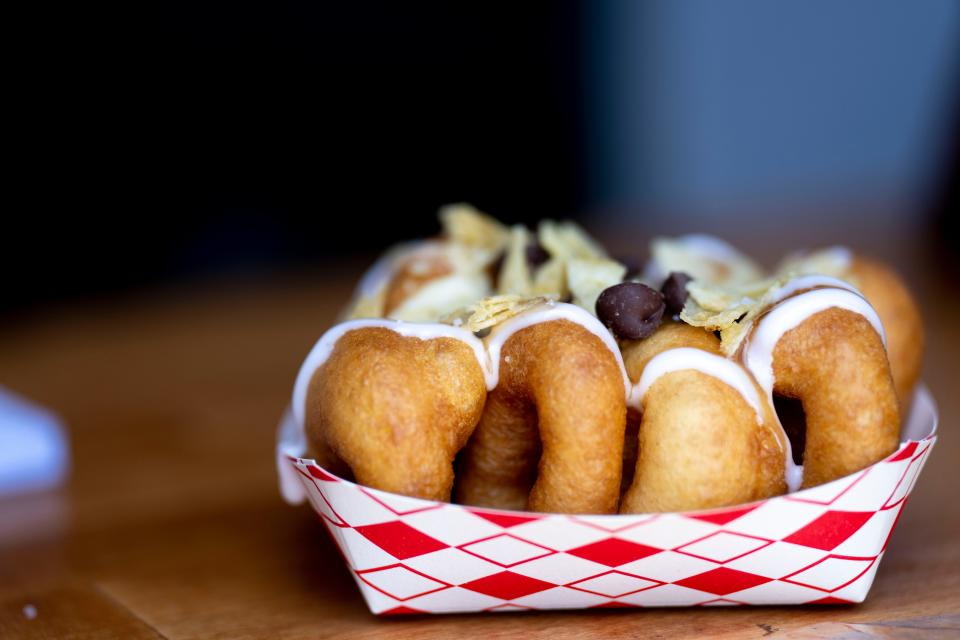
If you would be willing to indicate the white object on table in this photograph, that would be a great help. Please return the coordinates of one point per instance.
(34, 454)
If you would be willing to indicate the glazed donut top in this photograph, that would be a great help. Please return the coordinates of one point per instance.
(727, 294)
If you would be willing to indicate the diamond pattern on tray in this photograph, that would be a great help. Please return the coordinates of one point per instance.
(452, 525)
(570, 598)
(399, 582)
(831, 573)
(613, 552)
(559, 568)
(829, 530)
(614, 584)
(723, 546)
(400, 539)
(507, 585)
(777, 560)
(668, 531)
(722, 581)
(411, 556)
(506, 550)
(452, 565)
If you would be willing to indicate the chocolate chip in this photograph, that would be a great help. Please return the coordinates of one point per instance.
(674, 291)
(536, 254)
(630, 309)
(482, 333)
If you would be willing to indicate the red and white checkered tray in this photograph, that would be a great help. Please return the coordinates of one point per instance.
(817, 546)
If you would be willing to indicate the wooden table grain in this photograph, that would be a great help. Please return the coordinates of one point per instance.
(171, 526)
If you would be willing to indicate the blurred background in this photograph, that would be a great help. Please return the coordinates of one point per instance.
(168, 143)
(193, 188)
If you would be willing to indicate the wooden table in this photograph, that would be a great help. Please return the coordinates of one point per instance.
(171, 524)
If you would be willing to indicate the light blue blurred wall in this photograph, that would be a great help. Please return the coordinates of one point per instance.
(705, 106)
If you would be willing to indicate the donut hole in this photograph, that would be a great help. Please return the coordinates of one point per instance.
(794, 422)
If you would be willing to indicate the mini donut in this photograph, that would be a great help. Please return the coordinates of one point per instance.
(670, 335)
(415, 271)
(834, 363)
(551, 435)
(900, 314)
(636, 354)
(707, 436)
(394, 410)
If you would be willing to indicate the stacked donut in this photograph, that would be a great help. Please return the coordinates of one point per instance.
(513, 369)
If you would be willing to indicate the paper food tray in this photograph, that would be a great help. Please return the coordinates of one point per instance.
(817, 546)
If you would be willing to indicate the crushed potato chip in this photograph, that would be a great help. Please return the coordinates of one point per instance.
(744, 304)
(833, 261)
(515, 277)
(491, 311)
(441, 296)
(587, 278)
(704, 258)
(567, 241)
(550, 278)
(466, 225)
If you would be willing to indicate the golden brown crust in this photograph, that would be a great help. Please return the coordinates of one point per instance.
(412, 275)
(900, 315)
(395, 410)
(700, 446)
(636, 355)
(670, 335)
(697, 444)
(835, 364)
(560, 399)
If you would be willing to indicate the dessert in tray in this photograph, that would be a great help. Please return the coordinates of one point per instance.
(523, 369)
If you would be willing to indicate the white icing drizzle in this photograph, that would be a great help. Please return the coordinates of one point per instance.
(802, 283)
(839, 255)
(757, 355)
(788, 313)
(424, 331)
(545, 313)
(382, 271)
(684, 358)
(788, 309)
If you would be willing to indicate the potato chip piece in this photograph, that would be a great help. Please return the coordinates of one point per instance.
(567, 241)
(466, 225)
(515, 277)
(550, 278)
(491, 311)
(832, 261)
(746, 304)
(705, 258)
(587, 278)
(441, 296)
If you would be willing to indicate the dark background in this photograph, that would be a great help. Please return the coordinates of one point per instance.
(161, 143)
(199, 138)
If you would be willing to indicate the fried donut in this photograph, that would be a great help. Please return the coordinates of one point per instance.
(551, 435)
(825, 348)
(393, 410)
(707, 437)
(415, 271)
(636, 354)
(900, 314)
